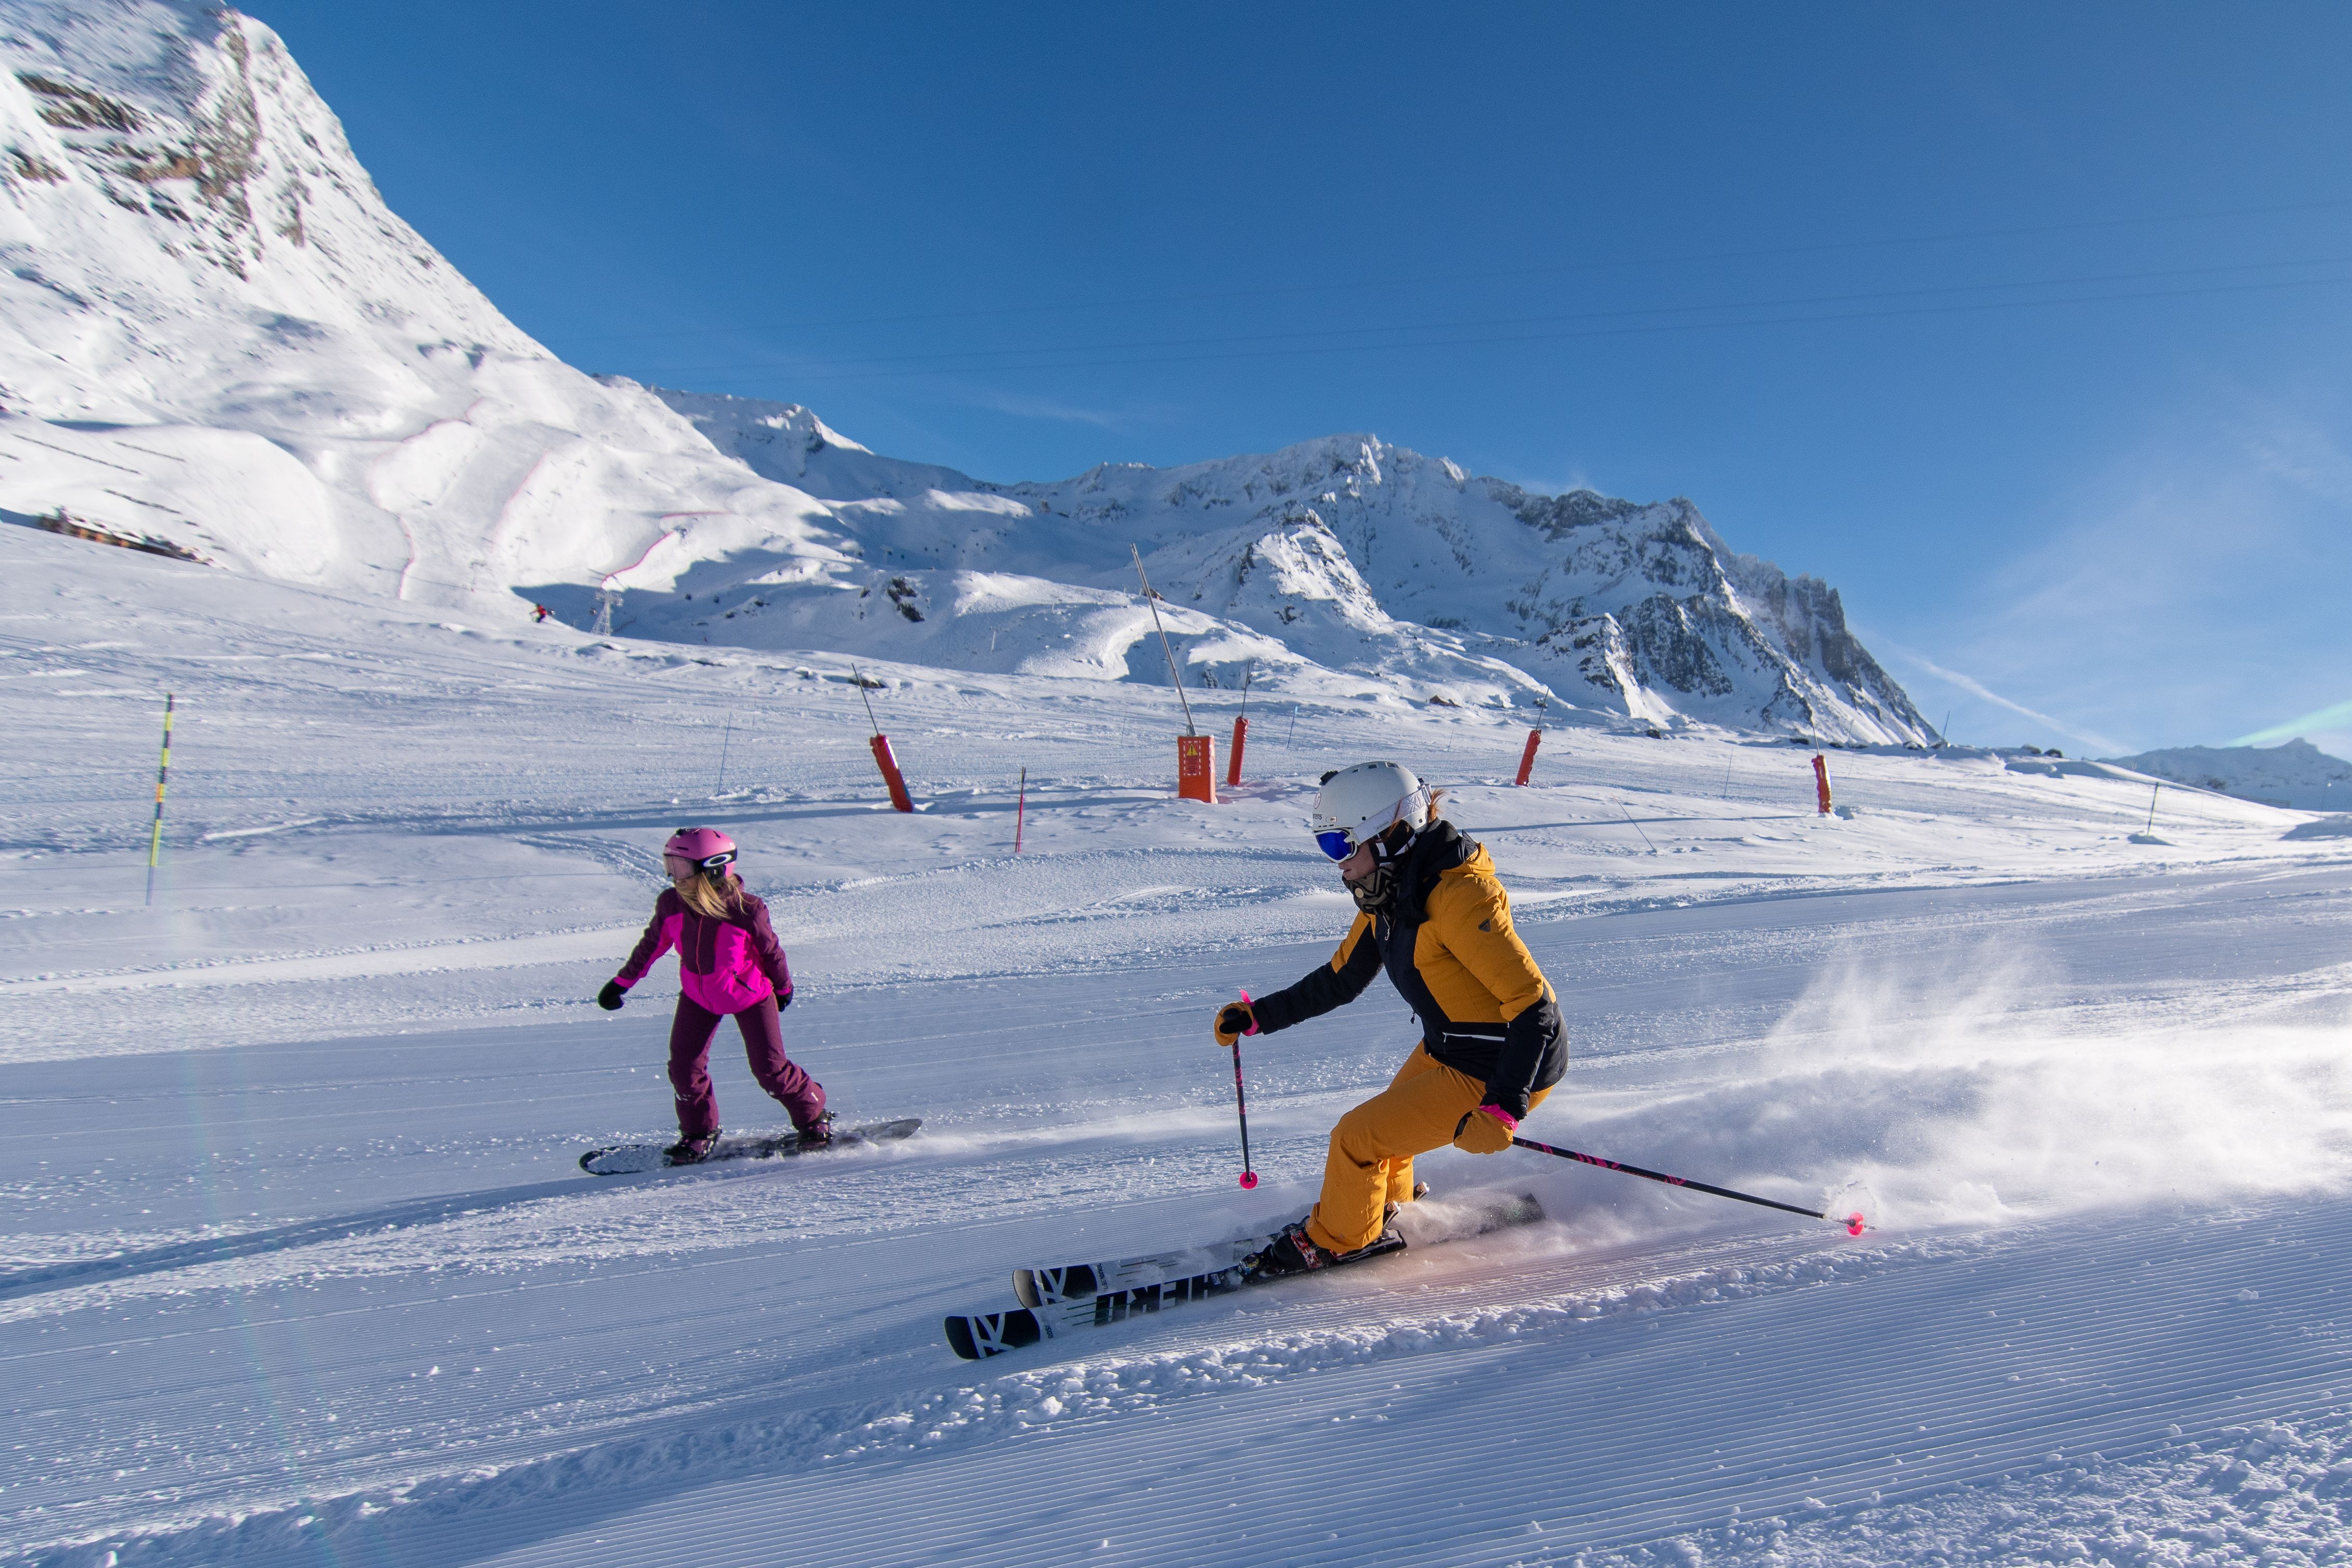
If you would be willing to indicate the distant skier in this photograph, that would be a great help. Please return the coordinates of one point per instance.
(729, 964)
(539, 613)
(1432, 914)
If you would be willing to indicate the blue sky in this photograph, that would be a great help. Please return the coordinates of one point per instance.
(2024, 326)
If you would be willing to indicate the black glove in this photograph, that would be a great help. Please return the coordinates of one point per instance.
(610, 997)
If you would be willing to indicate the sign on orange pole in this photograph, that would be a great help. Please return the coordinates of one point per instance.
(1196, 768)
(1821, 781)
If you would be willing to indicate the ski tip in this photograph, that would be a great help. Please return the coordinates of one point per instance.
(976, 1335)
(1024, 1288)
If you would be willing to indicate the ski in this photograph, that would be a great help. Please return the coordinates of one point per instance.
(628, 1159)
(1065, 1298)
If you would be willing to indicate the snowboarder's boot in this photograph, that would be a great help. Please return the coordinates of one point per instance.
(817, 1133)
(1294, 1252)
(692, 1150)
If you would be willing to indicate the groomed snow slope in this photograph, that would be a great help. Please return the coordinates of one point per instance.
(299, 1268)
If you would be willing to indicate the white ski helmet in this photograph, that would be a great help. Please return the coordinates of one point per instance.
(1363, 802)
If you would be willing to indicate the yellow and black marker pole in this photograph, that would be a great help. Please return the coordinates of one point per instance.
(163, 773)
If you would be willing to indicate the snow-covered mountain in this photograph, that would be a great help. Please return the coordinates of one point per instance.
(2297, 774)
(220, 340)
(214, 332)
(1359, 556)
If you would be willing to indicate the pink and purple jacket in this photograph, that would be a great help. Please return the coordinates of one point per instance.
(724, 965)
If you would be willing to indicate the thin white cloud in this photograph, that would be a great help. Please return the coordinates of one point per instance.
(2335, 717)
(1023, 406)
(1976, 687)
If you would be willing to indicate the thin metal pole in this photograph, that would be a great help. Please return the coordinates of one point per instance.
(870, 720)
(162, 774)
(2151, 807)
(1854, 1223)
(1153, 600)
(1637, 826)
(723, 740)
(1241, 1108)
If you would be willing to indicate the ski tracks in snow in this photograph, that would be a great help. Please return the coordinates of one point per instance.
(1753, 1397)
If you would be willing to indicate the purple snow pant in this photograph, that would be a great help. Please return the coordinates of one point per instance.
(763, 1045)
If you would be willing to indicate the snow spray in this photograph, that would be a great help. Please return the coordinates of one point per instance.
(1249, 1177)
(163, 772)
(1854, 1223)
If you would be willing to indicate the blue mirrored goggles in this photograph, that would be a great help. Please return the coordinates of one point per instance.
(1335, 844)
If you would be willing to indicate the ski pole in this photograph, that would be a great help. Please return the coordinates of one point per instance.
(1241, 1107)
(1854, 1223)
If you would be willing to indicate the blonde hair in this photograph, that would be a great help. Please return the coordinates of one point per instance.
(712, 898)
(1437, 802)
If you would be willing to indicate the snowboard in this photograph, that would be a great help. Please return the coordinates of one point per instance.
(626, 1159)
(1062, 1298)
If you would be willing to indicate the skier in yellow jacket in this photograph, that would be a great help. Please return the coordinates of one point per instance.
(1431, 913)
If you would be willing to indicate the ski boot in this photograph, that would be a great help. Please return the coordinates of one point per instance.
(692, 1150)
(817, 1133)
(1294, 1252)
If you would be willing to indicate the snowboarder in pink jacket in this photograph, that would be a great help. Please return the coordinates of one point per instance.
(729, 965)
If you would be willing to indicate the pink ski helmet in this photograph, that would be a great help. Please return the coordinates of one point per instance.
(706, 847)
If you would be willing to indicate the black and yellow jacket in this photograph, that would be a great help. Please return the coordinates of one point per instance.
(1446, 940)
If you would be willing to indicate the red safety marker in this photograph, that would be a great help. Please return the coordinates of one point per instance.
(1249, 1177)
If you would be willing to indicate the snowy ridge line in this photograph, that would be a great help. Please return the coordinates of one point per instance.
(969, 1413)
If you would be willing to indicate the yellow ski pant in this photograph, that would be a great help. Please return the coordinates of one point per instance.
(1371, 1162)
